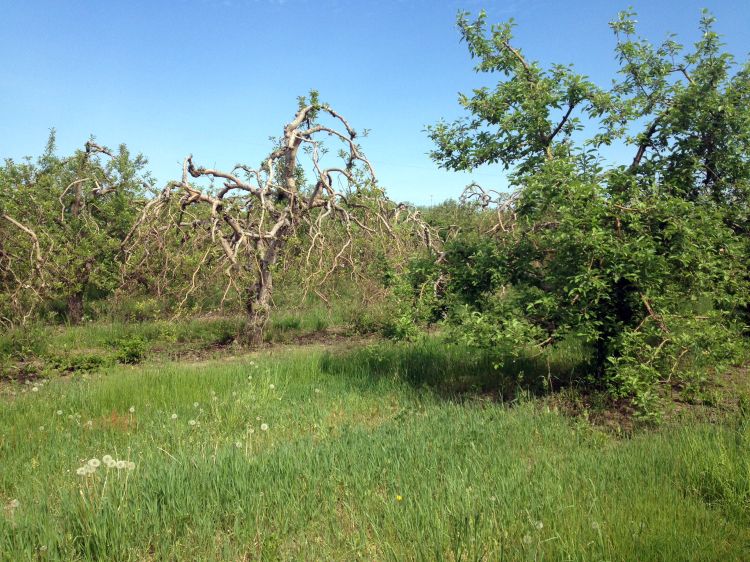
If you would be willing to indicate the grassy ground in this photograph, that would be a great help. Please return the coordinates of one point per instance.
(49, 350)
(307, 455)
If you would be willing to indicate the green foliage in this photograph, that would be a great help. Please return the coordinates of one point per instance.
(22, 344)
(64, 220)
(646, 261)
(131, 350)
(76, 362)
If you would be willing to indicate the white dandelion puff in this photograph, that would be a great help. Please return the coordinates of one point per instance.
(271, 386)
(35, 389)
(174, 416)
(264, 427)
(106, 459)
(121, 464)
(94, 463)
(195, 404)
(131, 409)
(539, 525)
(130, 465)
(191, 422)
(59, 412)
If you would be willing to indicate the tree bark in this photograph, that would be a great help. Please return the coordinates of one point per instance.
(75, 307)
(258, 309)
(259, 294)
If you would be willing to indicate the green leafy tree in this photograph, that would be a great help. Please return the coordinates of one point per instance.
(68, 218)
(645, 259)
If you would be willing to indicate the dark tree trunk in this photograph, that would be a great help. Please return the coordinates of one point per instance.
(75, 307)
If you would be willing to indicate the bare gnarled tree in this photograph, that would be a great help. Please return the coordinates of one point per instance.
(253, 212)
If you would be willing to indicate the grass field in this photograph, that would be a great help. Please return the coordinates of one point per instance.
(305, 454)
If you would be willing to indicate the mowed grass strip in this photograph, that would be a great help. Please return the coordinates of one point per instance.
(283, 456)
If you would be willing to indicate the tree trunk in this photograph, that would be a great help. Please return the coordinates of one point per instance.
(258, 302)
(75, 307)
(258, 307)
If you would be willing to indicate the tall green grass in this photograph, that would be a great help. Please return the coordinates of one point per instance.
(357, 462)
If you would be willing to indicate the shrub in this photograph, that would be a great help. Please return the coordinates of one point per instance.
(131, 350)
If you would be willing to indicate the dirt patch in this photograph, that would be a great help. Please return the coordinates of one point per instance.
(117, 421)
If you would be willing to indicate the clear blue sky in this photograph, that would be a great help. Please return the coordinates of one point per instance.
(216, 78)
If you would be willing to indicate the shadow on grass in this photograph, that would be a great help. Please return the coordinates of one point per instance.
(455, 370)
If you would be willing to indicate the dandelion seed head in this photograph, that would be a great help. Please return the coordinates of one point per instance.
(264, 427)
(130, 465)
(94, 463)
(238, 444)
(539, 525)
(41, 428)
(527, 539)
(35, 389)
(595, 526)
(131, 409)
(191, 422)
(59, 412)
(174, 416)
(195, 404)
(107, 459)
(121, 464)
(272, 386)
